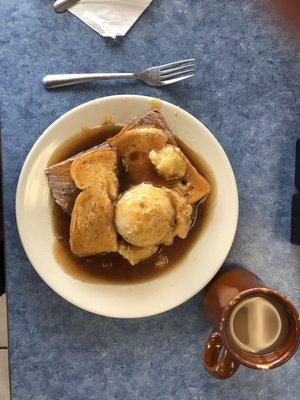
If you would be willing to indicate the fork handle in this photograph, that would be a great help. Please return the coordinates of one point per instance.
(55, 81)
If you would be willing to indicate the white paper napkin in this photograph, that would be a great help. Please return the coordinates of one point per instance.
(110, 18)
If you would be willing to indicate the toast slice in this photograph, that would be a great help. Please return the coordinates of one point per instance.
(135, 141)
(61, 184)
(97, 169)
(193, 186)
(92, 229)
(150, 132)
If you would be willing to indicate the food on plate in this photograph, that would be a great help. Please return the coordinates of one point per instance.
(97, 170)
(92, 230)
(135, 254)
(169, 162)
(147, 215)
(62, 186)
(136, 141)
(132, 194)
(144, 215)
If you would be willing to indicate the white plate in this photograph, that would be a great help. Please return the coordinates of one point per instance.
(139, 299)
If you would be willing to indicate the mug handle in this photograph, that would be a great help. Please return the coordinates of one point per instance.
(221, 367)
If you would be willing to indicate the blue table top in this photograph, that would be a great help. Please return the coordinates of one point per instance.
(247, 93)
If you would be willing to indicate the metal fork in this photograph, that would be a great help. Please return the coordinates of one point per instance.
(156, 76)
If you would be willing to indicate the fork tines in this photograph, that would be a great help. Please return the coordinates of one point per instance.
(177, 71)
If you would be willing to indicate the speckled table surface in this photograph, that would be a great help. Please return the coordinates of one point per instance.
(247, 93)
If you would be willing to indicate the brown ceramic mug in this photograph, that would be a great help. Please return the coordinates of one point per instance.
(230, 302)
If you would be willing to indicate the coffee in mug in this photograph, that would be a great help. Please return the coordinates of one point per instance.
(258, 324)
(253, 325)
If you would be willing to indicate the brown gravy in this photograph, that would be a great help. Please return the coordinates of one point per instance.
(113, 268)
